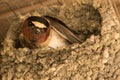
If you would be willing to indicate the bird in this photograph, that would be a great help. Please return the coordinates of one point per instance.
(46, 31)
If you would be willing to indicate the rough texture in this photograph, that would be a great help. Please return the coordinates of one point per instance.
(97, 58)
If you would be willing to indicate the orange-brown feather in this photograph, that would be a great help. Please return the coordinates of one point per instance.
(29, 34)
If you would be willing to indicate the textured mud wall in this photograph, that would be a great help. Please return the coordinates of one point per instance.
(97, 58)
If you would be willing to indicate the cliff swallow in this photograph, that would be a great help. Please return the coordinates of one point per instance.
(46, 31)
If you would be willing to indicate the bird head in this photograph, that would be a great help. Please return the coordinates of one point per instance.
(36, 30)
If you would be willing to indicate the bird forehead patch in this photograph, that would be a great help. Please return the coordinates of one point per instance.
(38, 24)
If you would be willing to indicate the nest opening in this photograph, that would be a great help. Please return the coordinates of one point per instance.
(88, 21)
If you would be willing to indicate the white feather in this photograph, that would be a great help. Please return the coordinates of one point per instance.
(54, 40)
(57, 40)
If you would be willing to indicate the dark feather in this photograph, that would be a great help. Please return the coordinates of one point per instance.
(63, 30)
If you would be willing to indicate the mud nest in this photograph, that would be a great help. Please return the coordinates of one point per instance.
(96, 58)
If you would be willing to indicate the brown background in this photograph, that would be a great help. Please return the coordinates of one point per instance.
(23, 7)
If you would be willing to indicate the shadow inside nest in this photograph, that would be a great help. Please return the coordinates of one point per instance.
(86, 21)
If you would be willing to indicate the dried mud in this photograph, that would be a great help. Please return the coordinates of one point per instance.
(97, 58)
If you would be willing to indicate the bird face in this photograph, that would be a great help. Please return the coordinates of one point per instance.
(36, 30)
